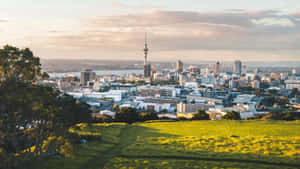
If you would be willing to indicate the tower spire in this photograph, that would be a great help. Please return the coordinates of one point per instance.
(147, 66)
(146, 49)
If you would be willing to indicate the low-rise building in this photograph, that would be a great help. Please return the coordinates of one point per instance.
(291, 84)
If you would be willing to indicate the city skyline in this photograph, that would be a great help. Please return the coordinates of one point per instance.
(197, 30)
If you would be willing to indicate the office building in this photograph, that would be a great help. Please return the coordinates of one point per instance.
(217, 67)
(179, 66)
(86, 76)
(238, 67)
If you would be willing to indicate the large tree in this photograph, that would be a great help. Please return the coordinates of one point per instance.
(32, 116)
(127, 115)
(19, 65)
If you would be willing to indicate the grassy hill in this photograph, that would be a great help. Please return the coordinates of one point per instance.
(196, 144)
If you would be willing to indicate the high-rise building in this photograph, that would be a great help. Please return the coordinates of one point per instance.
(238, 67)
(294, 71)
(179, 66)
(147, 66)
(86, 76)
(217, 67)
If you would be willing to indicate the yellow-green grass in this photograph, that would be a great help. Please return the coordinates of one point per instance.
(276, 142)
(86, 155)
(125, 163)
(188, 144)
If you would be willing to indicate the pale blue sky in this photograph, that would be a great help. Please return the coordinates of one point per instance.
(52, 28)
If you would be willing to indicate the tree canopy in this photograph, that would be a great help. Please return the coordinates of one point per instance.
(127, 115)
(201, 115)
(232, 115)
(33, 118)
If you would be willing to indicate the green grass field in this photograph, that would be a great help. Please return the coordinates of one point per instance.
(196, 144)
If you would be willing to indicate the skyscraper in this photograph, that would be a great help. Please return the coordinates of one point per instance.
(179, 66)
(147, 66)
(238, 67)
(217, 68)
(86, 76)
(294, 71)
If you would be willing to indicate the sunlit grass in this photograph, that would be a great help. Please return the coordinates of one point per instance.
(226, 144)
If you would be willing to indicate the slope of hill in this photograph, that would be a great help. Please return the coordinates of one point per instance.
(196, 144)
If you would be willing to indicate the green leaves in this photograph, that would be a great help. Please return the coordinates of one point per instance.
(19, 64)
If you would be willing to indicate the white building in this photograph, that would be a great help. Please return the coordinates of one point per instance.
(155, 106)
(116, 95)
(291, 84)
(244, 99)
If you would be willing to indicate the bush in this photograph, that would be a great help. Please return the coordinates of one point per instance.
(277, 115)
(102, 119)
(127, 115)
(182, 119)
(201, 115)
(148, 116)
(232, 115)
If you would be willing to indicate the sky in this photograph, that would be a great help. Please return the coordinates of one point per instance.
(190, 30)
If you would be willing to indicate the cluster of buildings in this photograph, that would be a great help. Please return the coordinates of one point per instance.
(181, 91)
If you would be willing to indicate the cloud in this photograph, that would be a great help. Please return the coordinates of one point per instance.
(3, 20)
(274, 22)
(231, 30)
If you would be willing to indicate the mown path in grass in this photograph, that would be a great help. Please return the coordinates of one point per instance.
(103, 157)
(127, 138)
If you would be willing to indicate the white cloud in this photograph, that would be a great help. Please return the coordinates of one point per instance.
(262, 32)
(284, 22)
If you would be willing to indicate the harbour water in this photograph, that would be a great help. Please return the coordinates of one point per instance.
(99, 72)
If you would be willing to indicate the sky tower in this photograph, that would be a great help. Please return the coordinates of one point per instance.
(146, 50)
(147, 66)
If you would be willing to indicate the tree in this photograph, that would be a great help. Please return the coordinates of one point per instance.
(148, 116)
(72, 111)
(19, 64)
(232, 115)
(116, 108)
(294, 92)
(127, 115)
(280, 115)
(283, 101)
(28, 119)
(29, 113)
(201, 115)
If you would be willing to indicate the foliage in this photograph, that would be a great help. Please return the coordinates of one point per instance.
(146, 116)
(201, 115)
(278, 115)
(293, 93)
(19, 65)
(232, 115)
(127, 115)
(32, 117)
(72, 111)
(102, 119)
(116, 108)
(104, 89)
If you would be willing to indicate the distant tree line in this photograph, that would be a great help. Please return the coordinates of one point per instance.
(278, 115)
